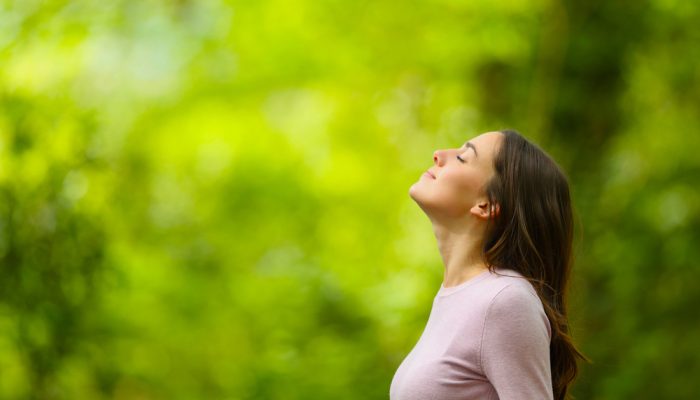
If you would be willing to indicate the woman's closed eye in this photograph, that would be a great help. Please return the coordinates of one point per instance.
(460, 158)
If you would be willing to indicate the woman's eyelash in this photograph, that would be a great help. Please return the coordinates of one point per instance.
(460, 159)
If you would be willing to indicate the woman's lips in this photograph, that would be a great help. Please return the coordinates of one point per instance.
(429, 174)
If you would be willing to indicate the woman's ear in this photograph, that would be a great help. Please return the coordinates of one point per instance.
(484, 210)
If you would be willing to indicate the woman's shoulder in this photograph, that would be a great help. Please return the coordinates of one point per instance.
(508, 291)
(512, 282)
(513, 298)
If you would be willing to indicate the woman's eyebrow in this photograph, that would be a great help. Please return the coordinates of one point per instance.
(468, 145)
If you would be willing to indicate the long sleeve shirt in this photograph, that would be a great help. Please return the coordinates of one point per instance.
(486, 338)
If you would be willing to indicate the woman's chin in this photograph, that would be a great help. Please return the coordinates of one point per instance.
(417, 193)
(414, 190)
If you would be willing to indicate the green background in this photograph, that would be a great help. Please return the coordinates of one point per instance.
(209, 199)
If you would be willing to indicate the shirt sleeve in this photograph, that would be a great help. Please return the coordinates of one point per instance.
(515, 346)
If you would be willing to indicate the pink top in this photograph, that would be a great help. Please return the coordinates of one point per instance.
(487, 338)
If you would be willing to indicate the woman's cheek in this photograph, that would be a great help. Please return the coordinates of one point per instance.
(470, 182)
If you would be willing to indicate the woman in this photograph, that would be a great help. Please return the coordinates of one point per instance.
(501, 213)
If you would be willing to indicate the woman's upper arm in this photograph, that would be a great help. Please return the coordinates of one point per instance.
(515, 345)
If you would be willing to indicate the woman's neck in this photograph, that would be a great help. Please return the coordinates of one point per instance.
(461, 254)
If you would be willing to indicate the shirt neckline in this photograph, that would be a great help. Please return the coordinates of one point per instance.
(446, 291)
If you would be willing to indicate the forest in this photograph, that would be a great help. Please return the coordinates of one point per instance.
(208, 199)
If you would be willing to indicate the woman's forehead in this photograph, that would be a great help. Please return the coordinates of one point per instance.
(486, 143)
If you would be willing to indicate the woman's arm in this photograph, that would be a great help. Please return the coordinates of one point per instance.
(515, 345)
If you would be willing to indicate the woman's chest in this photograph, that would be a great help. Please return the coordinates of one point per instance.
(446, 361)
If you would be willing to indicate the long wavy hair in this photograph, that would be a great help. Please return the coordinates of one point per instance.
(532, 233)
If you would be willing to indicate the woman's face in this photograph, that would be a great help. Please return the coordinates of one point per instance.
(455, 184)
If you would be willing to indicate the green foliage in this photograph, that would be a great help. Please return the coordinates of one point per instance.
(208, 199)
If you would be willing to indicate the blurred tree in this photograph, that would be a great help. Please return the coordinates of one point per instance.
(51, 251)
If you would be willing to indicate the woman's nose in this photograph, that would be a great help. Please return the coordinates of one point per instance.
(436, 157)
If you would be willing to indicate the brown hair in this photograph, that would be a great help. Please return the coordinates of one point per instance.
(532, 233)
